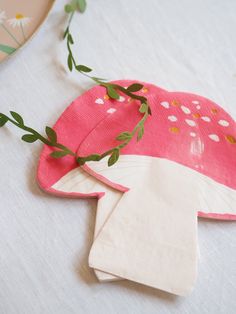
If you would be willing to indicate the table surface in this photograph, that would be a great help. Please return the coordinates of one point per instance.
(183, 45)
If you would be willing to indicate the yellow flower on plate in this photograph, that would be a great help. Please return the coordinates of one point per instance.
(19, 20)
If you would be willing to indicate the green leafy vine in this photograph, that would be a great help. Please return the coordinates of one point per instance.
(112, 91)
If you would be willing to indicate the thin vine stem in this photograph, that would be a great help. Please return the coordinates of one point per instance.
(112, 91)
(33, 135)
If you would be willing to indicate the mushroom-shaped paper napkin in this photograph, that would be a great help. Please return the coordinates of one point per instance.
(184, 167)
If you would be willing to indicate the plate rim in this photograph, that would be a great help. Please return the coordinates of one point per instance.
(51, 5)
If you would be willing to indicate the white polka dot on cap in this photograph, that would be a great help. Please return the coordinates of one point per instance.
(165, 104)
(186, 110)
(223, 123)
(214, 137)
(172, 118)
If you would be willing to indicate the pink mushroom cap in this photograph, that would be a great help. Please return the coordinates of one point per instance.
(185, 128)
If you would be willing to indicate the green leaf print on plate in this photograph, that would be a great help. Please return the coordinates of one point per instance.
(7, 49)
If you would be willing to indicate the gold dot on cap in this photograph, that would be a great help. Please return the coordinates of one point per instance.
(214, 111)
(144, 90)
(174, 130)
(175, 103)
(106, 97)
(196, 115)
(231, 139)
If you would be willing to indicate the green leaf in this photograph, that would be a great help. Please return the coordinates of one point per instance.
(59, 153)
(134, 87)
(143, 108)
(124, 136)
(69, 62)
(74, 5)
(52, 135)
(114, 157)
(29, 138)
(93, 157)
(70, 39)
(3, 120)
(98, 78)
(149, 111)
(140, 133)
(112, 92)
(17, 117)
(68, 8)
(7, 49)
(81, 5)
(66, 32)
(83, 68)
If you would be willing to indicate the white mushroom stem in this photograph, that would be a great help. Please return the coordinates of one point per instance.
(150, 244)
(151, 236)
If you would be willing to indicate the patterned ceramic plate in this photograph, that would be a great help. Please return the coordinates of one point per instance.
(18, 22)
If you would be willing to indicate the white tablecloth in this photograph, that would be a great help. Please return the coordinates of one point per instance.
(186, 45)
